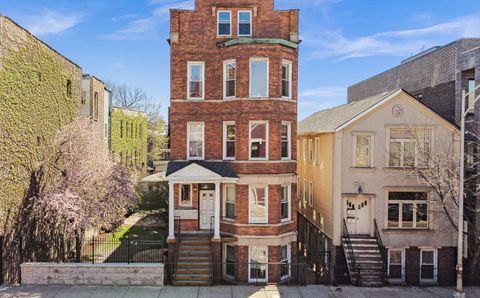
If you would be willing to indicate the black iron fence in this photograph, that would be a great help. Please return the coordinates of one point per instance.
(96, 250)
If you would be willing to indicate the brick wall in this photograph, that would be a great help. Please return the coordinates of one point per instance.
(34, 274)
(436, 75)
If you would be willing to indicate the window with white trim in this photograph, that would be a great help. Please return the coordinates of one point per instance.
(310, 150)
(258, 204)
(229, 208)
(408, 147)
(229, 140)
(396, 265)
(185, 195)
(244, 23)
(286, 132)
(310, 194)
(305, 190)
(258, 263)
(229, 260)
(196, 82)
(258, 78)
(305, 149)
(195, 140)
(428, 265)
(258, 140)
(317, 151)
(407, 210)
(224, 21)
(363, 150)
(285, 203)
(229, 78)
(287, 79)
(285, 260)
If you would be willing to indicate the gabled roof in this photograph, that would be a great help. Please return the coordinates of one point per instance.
(331, 119)
(335, 119)
(220, 168)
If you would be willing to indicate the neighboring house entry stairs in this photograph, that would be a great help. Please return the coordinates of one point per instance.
(365, 262)
(193, 261)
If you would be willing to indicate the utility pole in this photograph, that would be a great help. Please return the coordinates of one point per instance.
(459, 292)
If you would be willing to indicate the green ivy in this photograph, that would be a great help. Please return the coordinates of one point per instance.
(33, 107)
(127, 144)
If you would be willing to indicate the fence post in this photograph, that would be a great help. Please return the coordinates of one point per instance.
(1, 260)
(93, 249)
(128, 250)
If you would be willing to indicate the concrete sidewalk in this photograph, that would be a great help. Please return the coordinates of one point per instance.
(269, 291)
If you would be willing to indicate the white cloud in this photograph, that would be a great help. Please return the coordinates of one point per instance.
(52, 22)
(304, 2)
(402, 43)
(147, 27)
(325, 92)
(320, 98)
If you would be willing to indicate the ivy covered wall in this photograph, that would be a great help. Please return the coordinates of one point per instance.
(129, 137)
(39, 92)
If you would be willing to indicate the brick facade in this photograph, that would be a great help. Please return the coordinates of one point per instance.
(274, 37)
(436, 76)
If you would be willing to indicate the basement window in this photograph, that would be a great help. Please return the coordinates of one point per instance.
(396, 264)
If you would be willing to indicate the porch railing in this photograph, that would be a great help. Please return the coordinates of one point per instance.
(382, 250)
(351, 260)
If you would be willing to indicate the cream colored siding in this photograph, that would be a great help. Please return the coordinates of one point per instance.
(319, 171)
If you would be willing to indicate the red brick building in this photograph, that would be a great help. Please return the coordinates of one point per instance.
(233, 123)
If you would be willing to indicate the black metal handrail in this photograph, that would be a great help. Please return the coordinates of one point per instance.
(382, 250)
(353, 262)
(177, 245)
(212, 222)
(177, 224)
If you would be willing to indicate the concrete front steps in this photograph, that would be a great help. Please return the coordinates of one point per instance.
(193, 267)
(370, 271)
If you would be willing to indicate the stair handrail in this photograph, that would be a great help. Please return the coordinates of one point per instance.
(177, 246)
(353, 262)
(382, 252)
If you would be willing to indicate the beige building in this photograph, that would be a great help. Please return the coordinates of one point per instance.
(366, 218)
(96, 103)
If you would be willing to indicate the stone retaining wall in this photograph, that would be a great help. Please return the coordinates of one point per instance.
(92, 274)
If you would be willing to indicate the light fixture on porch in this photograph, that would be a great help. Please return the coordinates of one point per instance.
(359, 187)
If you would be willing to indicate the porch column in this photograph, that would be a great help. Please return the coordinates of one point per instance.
(216, 234)
(171, 212)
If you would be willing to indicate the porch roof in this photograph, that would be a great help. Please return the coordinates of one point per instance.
(220, 168)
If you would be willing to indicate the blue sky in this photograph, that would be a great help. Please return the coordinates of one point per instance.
(344, 41)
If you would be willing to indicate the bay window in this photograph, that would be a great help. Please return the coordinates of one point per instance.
(195, 140)
(287, 79)
(285, 261)
(229, 140)
(258, 263)
(224, 22)
(196, 82)
(229, 202)
(258, 78)
(258, 140)
(258, 204)
(408, 210)
(229, 77)
(286, 140)
(285, 203)
(244, 23)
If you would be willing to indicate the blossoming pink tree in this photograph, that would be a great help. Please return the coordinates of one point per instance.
(77, 186)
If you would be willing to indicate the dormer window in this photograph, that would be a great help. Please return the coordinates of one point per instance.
(224, 23)
(244, 23)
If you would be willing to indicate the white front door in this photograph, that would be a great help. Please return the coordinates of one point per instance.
(207, 208)
(357, 215)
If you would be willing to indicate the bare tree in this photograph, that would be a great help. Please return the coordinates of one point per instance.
(438, 167)
(75, 187)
